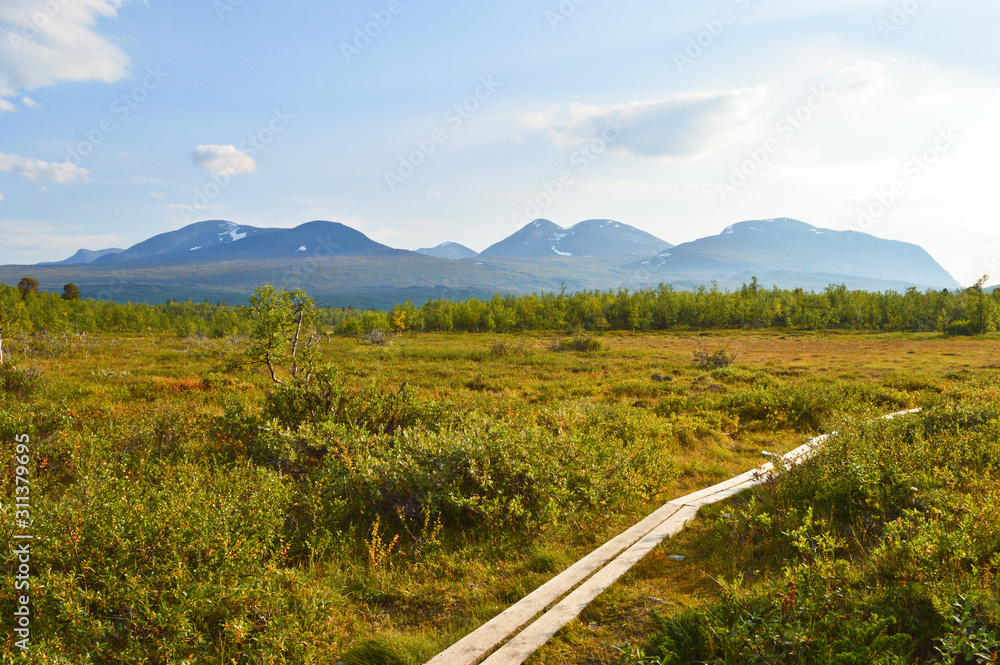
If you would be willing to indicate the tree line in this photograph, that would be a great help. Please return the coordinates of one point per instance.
(968, 311)
(26, 309)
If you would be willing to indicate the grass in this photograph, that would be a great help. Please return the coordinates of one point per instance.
(883, 548)
(187, 513)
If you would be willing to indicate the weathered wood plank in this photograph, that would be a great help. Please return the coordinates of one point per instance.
(473, 646)
(539, 632)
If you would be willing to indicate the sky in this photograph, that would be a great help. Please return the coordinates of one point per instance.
(424, 122)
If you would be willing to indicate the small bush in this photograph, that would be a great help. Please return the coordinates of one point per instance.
(802, 407)
(547, 560)
(386, 651)
(583, 343)
(962, 327)
(376, 338)
(325, 397)
(505, 348)
(480, 383)
(20, 382)
(716, 359)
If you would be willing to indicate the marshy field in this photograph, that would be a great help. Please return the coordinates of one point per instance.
(187, 509)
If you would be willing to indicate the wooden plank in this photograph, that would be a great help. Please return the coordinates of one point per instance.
(697, 498)
(667, 520)
(473, 646)
(539, 632)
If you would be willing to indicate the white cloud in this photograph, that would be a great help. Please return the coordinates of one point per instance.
(35, 169)
(156, 195)
(864, 74)
(31, 103)
(221, 159)
(540, 120)
(56, 41)
(7, 107)
(685, 125)
(1, 197)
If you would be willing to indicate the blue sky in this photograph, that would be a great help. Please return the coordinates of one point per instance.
(459, 122)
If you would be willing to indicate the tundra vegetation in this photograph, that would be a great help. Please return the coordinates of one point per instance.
(274, 483)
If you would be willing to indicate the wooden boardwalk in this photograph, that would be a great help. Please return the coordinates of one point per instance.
(514, 634)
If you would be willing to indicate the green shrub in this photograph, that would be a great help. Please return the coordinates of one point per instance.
(389, 651)
(801, 407)
(20, 382)
(716, 359)
(326, 397)
(806, 407)
(961, 327)
(502, 472)
(505, 348)
(865, 548)
(582, 343)
(170, 561)
(376, 338)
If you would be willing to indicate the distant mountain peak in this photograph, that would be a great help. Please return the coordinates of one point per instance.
(772, 225)
(83, 256)
(222, 240)
(449, 250)
(604, 238)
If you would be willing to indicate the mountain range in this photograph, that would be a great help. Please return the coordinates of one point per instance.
(603, 238)
(338, 265)
(786, 251)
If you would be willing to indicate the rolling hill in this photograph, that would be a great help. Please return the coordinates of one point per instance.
(83, 256)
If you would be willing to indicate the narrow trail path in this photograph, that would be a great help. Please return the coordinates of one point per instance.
(514, 634)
